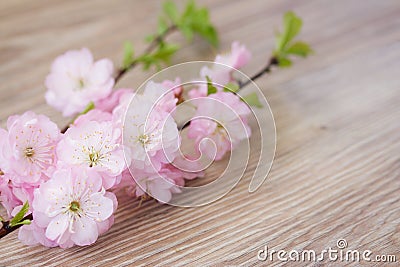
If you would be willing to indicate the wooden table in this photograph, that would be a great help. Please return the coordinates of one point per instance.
(336, 173)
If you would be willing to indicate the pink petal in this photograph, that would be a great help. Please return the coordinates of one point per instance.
(85, 232)
(57, 226)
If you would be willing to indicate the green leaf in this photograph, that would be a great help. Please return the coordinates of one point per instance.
(163, 54)
(231, 87)
(20, 215)
(24, 222)
(88, 108)
(284, 62)
(211, 89)
(187, 32)
(128, 55)
(299, 49)
(252, 100)
(149, 38)
(162, 25)
(197, 20)
(291, 27)
(171, 11)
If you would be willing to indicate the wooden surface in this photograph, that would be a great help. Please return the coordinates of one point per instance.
(337, 168)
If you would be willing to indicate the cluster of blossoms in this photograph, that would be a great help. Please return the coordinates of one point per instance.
(69, 179)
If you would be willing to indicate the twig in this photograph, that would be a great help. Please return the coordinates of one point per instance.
(153, 45)
(272, 62)
(6, 228)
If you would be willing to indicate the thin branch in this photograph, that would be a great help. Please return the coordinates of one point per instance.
(272, 62)
(153, 45)
(6, 228)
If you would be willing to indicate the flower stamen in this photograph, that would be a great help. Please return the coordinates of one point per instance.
(144, 139)
(74, 206)
(29, 152)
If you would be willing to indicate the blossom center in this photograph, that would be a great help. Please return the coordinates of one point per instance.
(93, 158)
(74, 206)
(144, 139)
(29, 152)
(81, 84)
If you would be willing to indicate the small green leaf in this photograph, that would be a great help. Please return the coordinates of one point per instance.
(299, 49)
(20, 215)
(149, 38)
(197, 20)
(24, 222)
(252, 100)
(163, 54)
(128, 55)
(186, 31)
(284, 62)
(162, 25)
(231, 87)
(291, 27)
(211, 89)
(171, 11)
(88, 108)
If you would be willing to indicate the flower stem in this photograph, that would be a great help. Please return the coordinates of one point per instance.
(153, 45)
(272, 62)
(6, 228)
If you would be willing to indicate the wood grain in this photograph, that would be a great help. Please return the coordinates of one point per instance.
(337, 167)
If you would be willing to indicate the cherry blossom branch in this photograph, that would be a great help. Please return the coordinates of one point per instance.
(267, 69)
(152, 46)
(158, 40)
(6, 228)
(272, 62)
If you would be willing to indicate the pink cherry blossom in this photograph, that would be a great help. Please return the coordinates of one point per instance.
(156, 184)
(5, 151)
(32, 141)
(7, 197)
(96, 146)
(174, 85)
(75, 80)
(33, 234)
(220, 74)
(237, 58)
(150, 135)
(118, 114)
(13, 196)
(113, 100)
(92, 115)
(73, 207)
(225, 124)
(163, 95)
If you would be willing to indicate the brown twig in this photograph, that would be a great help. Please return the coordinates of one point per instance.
(6, 228)
(272, 62)
(153, 45)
